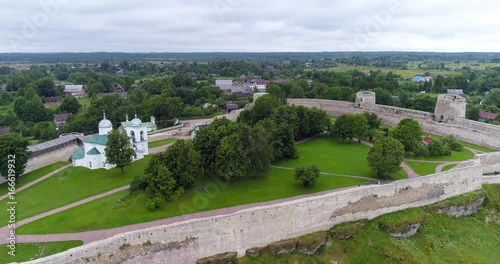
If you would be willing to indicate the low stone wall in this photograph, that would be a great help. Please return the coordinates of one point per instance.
(188, 241)
(491, 180)
(474, 132)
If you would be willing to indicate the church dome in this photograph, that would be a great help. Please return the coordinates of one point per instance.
(105, 123)
(136, 122)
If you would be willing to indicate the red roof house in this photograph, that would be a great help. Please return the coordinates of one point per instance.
(488, 115)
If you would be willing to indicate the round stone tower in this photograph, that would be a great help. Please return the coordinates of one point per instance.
(450, 107)
(365, 99)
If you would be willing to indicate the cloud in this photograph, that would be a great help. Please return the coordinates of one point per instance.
(244, 25)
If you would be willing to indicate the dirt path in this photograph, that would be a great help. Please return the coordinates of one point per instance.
(37, 181)
(91, 236)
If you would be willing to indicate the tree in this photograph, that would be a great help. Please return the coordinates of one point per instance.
(307, 174)
(349, 126)
(409, 133)
(493, 98)
(184, 162)
(5, 98)
(259, 150)
(231, 159)
(69, 104)
(208, 140)
(473, 112)
(13, 147)
(162, 184)
(373, 120)
(386, 156)
(118, 150)
(46, 87)
(383, 97)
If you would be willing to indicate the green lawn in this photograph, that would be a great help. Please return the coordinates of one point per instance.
(69, 186)
(336, 157)
(26, 252)
(34, 175)
(463, 155)
(85, 103)
(441, 239)
(423, 168)
(161, 142)
(469, 145)
(108, 213)
(449, 167)
(332, 156)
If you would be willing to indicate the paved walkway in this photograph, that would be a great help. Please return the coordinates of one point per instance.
(36, 181)
(92, 236)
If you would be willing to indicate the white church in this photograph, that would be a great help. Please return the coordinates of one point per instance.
(92, 154)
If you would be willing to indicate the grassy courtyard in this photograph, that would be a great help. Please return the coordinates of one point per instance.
(336, 157)
(441, 239)
(449, 167)
(69, 186)
(26, 252)
(108, 213)
(34, 175)
(161, 142)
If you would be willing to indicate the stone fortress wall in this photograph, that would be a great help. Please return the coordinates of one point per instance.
(188, 241)
(453, 114)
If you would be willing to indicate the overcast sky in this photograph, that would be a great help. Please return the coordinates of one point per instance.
(248, 25)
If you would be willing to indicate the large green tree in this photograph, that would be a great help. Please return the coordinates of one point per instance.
(13, 156)
(386, 156)
(69, 104)
(409, 133)
(231, 159)
(118, 150)
(184, 162)
(349, 126)
(259, 150)
(161, 183)
(46, 87)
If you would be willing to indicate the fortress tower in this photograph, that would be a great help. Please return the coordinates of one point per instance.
(450, 107)
(365, 99)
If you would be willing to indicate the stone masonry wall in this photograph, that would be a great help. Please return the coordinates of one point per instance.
(185, 242)
(62, 154)
(474, 132)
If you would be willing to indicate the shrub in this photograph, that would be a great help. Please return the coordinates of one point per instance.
(154, 203)
(138, 184)
(307, 174)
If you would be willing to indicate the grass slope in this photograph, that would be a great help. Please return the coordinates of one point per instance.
(161, 142)
(69, 186)
(449, 167)
(422, 168)
(441, 239)
(26, 252)
(34, 175)
(108, 213)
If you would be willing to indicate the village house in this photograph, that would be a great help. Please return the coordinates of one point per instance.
(61, 119)
(78, 91)
(487, 116)
(52, 100)
(419, 79)
(4, 131)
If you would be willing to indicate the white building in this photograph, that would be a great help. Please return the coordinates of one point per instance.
(92, 154)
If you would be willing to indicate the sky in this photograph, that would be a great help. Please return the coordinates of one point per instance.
(249, 25)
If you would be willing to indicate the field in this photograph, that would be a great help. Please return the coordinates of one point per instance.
(441, 239)
(26, 252)
(34, 175)
(108, 213)
(69, 186)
